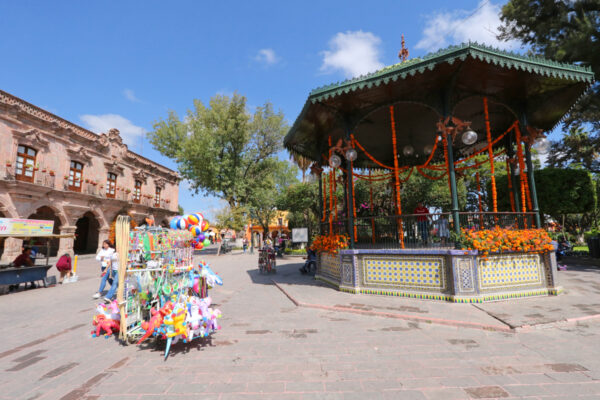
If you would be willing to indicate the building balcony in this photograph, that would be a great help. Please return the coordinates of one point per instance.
(56, 183)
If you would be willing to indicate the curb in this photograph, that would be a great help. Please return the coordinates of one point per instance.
(439, 321)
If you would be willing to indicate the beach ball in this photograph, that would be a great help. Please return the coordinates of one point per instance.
(201, 237)
(181, 224)
(195, 230)
(204, 225)
(206, 242)
(193, 219)
(173, 223)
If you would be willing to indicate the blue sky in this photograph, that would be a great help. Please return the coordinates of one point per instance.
(125, 64)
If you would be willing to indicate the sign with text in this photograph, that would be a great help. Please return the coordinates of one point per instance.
(300, 235)
(25, 227)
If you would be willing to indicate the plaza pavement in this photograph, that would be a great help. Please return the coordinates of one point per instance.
(332, 346)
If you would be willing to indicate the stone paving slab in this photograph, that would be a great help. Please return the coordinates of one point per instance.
(581, 301)
(270, 349)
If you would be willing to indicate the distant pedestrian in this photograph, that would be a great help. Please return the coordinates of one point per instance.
(245, 244)
(423, 221)
(104, 256)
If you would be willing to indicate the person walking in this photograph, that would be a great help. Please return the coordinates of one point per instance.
(104, 256)
(423, 221)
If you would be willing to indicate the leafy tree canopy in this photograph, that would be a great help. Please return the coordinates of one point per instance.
(577, 149)
(561, 30)
(221, 149)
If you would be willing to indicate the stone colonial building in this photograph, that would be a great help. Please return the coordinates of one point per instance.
(53, 169)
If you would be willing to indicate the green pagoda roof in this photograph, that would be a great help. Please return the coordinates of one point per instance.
(451, 81)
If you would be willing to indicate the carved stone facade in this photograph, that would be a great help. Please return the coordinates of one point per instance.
(48, 188)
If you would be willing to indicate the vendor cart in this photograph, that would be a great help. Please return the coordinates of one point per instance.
(10, 275)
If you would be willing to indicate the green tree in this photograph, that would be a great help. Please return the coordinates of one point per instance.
(262, 204)
(576, 148)
(221, 149)
(180, 210)
(231, 218)
(569, 193)
(561, 30)
(303, 205)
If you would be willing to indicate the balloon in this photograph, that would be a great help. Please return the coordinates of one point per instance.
(181, 224)
(195, 230)
(193, 219)
(201, 237)
(173, 223)
(204, 225)
(206, 242)
(199, 246)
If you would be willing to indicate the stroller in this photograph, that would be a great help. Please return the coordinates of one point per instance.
(311, 262)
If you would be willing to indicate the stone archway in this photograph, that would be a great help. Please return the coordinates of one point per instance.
(46, 213)
(86, 234)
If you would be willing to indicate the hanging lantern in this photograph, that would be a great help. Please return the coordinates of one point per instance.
(408, 150)
(335, 161)
(427, 149)
(542, 145)
(351, 155)
(469, 137)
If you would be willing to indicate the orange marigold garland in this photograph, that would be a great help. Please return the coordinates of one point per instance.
(491, 154)
(397, 184)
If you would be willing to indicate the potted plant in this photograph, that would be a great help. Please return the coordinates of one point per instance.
(44, 170)
(128, 191)
(51, 173)
(87, 180)
(66, 177)
(8, 164)
(36, 167)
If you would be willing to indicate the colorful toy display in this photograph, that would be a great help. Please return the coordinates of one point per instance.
(165, 295)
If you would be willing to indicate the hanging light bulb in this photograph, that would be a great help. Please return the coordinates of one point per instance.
(408, 150)
(351, 154)
(469, 137)
(542, 145)
(335, 161)
(427, 149)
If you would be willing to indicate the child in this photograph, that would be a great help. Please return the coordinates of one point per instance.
(63, 265)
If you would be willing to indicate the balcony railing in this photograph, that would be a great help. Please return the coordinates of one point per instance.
(422, 231)
(59, 183)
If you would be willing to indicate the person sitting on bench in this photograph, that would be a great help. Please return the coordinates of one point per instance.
(23, 259)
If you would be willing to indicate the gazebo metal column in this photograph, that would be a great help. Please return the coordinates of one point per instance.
(510, 174)
(531, 177)
(349, 197)
(453, 191)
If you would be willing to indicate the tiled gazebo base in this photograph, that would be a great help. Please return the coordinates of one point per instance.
(440, 274)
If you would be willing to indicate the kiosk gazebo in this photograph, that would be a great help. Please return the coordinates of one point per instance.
(432, 116)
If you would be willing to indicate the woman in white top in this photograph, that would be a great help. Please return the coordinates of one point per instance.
(109, 262)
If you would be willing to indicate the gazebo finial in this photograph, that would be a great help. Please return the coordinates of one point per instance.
(403, 54)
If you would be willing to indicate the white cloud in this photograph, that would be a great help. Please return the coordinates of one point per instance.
(103, 123)
(353, 53)
(267, 56)
(458, 26)
(129, 95)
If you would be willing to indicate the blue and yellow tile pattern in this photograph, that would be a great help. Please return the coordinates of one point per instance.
(425, 273)
(506, 272)
(330, 266)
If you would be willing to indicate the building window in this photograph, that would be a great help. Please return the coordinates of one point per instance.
(75, 174)
(157, 197)
(111, 185)
(137, 192)
(25, 163)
